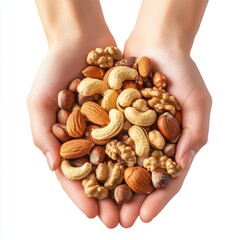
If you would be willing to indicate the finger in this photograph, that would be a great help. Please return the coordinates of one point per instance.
(75, 191)
(158, 199)
(108, 212)
(195, 123)
(130, 211)
(42, 117)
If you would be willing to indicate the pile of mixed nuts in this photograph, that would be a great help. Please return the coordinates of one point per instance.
(118, 127)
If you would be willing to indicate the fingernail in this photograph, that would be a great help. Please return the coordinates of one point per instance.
(187, 159)
(50, 161)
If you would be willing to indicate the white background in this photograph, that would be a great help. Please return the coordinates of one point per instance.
(32, 203)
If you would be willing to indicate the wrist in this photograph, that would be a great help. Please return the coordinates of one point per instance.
(63, 20)
(164, 34)
(167, 42)
(170, 22)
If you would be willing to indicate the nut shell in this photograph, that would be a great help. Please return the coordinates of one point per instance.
(76, 148)
(74, 85)
(97, 154)
(138, 179)
(159, 178)
(60, 132)
(62, 116)
(169, 127)
(122, 194)
(66, 99)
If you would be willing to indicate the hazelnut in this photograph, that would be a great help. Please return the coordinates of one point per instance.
(66, 99)
(73, 85)
(79, 162)
(170, 149)
(178, 116)
(122, 194)
(60, 132)
(159, 178)
(169, 127)
(97, 154)
(62, 116)
(82, 99)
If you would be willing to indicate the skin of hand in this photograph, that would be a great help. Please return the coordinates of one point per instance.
(64, 62)
(170, 54)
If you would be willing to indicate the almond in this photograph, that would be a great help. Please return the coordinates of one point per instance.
(169, 127)
(76, 148)
(95, 113)
(105, 78)
(66, 99)
(138, 179)
(88, 135)
(144, 66)
(128, 84)
(76, 124)
(93, 72)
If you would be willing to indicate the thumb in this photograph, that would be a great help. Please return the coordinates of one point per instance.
(42, 117)
(195, 130)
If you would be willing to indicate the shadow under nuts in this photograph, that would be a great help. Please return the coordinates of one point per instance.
(97, 148)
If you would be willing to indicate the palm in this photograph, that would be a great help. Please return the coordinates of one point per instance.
(55, 73)
(186, 83)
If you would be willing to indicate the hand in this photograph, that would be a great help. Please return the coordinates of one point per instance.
(63, 63)
(186, 83)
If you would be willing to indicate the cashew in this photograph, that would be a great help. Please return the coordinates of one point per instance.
(140, 118)
(109, 99)
(140, 105)
(75, 173)
(138, 135)
(93, 189)
(112, 129)
(91, 86)
(127, 96)
(120, 74)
